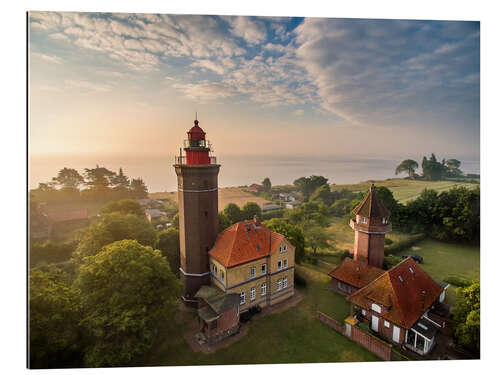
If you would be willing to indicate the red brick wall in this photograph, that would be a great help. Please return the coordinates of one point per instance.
(376, 252)
(331, 322)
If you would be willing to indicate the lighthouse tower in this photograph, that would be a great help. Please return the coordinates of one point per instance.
(197, 173)
(370, 225)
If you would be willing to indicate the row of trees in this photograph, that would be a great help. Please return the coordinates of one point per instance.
(97, 184)
(432, 169)
(105, 306)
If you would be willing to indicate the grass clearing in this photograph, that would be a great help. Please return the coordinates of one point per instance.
(405, 190)
(226, 196)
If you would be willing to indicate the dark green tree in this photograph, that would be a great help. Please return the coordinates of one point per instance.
(454, 167)
(68, 178)
(121, 184)
(316, 237)
(138, 188)
(233, 213)
(307, 185)
(324, 195)
(407, 166)
(99, 181)
(171, 208)
(169, 245)
(114, 227)
(54, 314)
(249, 210)
(266, 184)
(293, 233)
(466, 318)
(124, 207)
(126, 291)
(224, 222)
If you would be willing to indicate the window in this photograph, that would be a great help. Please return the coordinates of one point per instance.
(252, 294)
(285, 282)
(263, 289)
(387, 324)
(279, 284)
(242, 298)
(252, 272)
(364, 220)
(384, 220)
(376, 308)
(281, 249)
(214, 270)
(285, 263)
(284, 249)
(222, 276)
(363, 311)
(411, 270)
(279, 264)
(263, 268)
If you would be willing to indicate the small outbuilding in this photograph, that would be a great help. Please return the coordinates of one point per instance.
(218, 313)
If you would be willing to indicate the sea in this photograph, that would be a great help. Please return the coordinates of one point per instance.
(236, 170)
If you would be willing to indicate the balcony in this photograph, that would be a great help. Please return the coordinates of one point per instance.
(197, 143)
(381, 228)
(182, 160)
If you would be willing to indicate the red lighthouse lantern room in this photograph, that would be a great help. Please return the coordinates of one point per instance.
(197, 148)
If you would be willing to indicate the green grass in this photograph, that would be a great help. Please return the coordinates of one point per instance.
(293, 336)
(443, 259)
(405, 190)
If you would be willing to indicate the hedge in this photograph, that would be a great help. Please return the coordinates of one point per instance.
(397, 247)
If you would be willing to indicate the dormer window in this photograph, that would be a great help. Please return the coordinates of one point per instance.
(364, 220)
(384, 220)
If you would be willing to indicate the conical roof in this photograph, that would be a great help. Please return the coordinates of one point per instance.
(371, 206)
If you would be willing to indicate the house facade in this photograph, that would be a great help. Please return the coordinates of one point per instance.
(253, 262)
(401, 305)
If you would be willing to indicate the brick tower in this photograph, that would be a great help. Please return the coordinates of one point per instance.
(198, 209)
(370, 226)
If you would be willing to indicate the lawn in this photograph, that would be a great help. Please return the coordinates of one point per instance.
(405, 190)
(293, 336)
(226, 196)
(443, 259)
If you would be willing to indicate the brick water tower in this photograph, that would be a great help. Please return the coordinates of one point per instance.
(197, 173)
(370, 225)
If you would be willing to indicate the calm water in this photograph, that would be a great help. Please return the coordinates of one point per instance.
(159, 175)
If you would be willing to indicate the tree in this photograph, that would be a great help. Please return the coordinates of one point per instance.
(293, 233)
(68, 178)
(121, 183)
(249, 210)
(233, 213)
(432, 169)
(323, 194)
(408, 166)
(340, 207)
(138, 188)
(99, 181)
(54, 314)
(316, 237)
(124, 207)
(224, 222)
(466, 318)
(171, 208)
(126, 290)
(169, 245)
(114, 227)
(307, 185)
(454, 167)
(266, 184)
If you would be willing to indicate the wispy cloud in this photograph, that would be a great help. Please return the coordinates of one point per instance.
(205, 91)
(48, 58)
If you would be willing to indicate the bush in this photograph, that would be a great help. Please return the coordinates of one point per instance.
(273, 214)
(458, 281)
(390, 261)
(395, 248)
(345, 254)
(388, 241)
(299, 280)
(51, 252)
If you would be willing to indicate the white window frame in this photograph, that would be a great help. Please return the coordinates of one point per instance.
(263, 289)
(280, 284)
(384, 220)
(364, 220)
(285, 282)
(242, 298)
(252, 294)
(376, 308)
(285, 263)
(284, 249)
(387, 324)
(253, 272)
(263, 268)
(363, 312)
(279, 265)
(214, 270)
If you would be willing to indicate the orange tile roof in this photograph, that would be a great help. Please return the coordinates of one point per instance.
(243, 242)
(406, 295)
(356, 273)
(371, 206)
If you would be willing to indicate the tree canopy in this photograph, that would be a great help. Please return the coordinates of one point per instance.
(168, 244)
(408, 166)
(292, 232)
(68, 178)
(307, 185)
(233, 213)
(125, 290)
(249, 210)
(124, 207)
(266, 184)
(466, 318)
(316, 237)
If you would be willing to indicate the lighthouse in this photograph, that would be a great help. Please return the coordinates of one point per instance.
(197, 171)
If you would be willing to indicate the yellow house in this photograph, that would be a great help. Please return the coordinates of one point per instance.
(254, 262)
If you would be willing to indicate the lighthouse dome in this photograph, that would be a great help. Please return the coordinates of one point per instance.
(196, 132)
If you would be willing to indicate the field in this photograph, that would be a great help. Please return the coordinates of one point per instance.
(405, 190)
(292, 336)
(443, 259)
(226, 196)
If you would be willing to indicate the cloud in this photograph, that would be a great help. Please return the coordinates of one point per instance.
(205, 91)
(47, 58)
(59, 36)
(87, 86)
(248, 28)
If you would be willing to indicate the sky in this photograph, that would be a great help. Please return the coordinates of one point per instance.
(130, 84)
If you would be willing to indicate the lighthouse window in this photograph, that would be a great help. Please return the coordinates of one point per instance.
(384, 220)
(364, 220)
